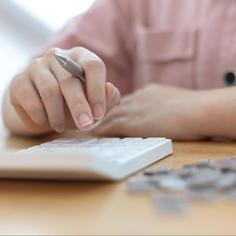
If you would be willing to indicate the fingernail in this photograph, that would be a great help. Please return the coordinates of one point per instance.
(60, 128)
(85, 120)
(98, 111)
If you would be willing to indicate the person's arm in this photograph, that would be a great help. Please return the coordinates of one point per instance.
(219, 113)
(176, 113)
(38, 100)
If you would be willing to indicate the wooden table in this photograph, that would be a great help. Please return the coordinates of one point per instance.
(66, 208)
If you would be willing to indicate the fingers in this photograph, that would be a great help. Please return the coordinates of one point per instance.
(50, 93)
(26, 97)
(74, 95)
(25, 118)
(98, 97)
(113, 98)
(115, 121)
(77, 103)
(95, 72)
(45, 89)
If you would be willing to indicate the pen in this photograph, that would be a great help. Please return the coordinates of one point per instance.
(71, 66)
(75, 70)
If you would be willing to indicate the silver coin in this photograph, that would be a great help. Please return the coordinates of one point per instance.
(157, 171)
(170, 183)
(232, 194)
(186, 172)
(202, 164)
(205, 178)
(140, 184)
(223, 164)
(190, 166)
(202, 181)
(226, 182)
(202, 195)
(232, 159)
(171, 204)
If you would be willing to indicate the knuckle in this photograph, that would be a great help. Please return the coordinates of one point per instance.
(76, 52)
(34, 68)
(35, 63)
(14, 101)
(34, 108)
(49, 90)
(96, 64)
(79, 49)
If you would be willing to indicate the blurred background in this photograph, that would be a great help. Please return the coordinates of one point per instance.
(26, 25)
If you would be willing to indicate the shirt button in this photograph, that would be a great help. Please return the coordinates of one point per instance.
(230, 77)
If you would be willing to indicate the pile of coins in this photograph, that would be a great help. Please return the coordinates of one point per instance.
(174, 189)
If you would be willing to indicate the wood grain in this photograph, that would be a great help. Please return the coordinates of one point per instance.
(66, 208)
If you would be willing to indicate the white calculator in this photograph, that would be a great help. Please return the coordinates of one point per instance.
(85, 159)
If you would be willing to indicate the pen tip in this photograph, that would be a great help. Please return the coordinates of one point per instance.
(60, 58)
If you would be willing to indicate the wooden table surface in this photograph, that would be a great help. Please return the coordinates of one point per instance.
(72, 208)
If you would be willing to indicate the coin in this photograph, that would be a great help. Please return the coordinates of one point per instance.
(140, 184)
(232, 159)
(202, 195)
(157, 171)
(223, 164)
(204, 178)
(201, 181)
(226, 182)
(171, 183)
(186, 172)
(171, 204)
(232, 194)
(203, 163)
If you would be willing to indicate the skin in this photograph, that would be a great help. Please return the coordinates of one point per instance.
(45, 98)
(176, 113)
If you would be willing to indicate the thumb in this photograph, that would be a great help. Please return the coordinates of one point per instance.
(112, 95)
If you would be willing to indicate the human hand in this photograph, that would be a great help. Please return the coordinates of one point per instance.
(44, 94)
(156, 111)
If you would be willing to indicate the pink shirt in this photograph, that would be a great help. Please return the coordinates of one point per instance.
(186, 43)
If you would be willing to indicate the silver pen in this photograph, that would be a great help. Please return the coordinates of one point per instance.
(71, 66)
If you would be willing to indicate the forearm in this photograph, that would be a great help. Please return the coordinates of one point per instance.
(217, 113)
(176, 113)
(14, 123)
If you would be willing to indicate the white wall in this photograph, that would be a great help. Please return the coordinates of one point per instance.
(25, 25)
(20, 35)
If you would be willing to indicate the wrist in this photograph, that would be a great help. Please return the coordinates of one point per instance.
(212, 115)
(219, 113)
(196, 114)
(193, 116)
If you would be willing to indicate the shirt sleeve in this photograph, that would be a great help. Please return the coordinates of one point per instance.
(103, 29)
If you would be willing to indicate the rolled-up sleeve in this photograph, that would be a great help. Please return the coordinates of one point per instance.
(103, 29)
